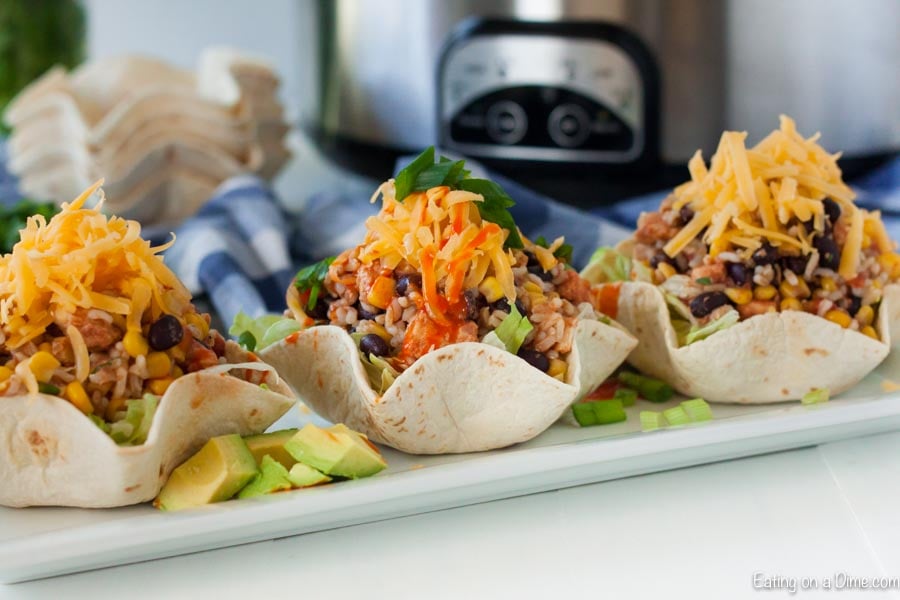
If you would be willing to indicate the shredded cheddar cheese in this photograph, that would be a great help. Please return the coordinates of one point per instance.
(750, 196)
(83, 259)
(440, 233)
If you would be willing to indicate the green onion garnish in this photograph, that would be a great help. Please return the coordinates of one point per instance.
(627, 396)
(47, 388)
(697, 410)
(816, 396)
(704, 281)
(652, 420)
(247, 340)
(649, 388)
(600, 412)
(676, 416)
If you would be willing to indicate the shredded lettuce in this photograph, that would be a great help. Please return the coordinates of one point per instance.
(816, 396)
(132, 430)
(100, 423)
(615, 266)
(262, 331)
(380, 372)
(513, 330)
(698, 333)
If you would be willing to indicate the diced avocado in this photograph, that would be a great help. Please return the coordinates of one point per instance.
(272, 477)
(273, 445)
(335, 452)
(222, 467)
(302, 475)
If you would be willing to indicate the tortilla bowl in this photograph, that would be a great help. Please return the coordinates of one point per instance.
(767, 358)
(464, 397)
(53, 456)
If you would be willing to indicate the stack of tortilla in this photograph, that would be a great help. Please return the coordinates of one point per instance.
(162, 137)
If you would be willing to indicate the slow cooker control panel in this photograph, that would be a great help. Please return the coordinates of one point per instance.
(544, 98)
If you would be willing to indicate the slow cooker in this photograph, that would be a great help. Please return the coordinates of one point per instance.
(593, 100)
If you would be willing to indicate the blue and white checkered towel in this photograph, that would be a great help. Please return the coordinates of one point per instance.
(242, 248)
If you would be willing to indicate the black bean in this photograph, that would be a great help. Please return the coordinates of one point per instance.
(165, 333)
(662, 257)
(797, 264)
(365, 315)
(854, 303)
(318, 312)
(53, 330)
(405, 281)
(532, 260)
(707, 302)
(540, 272)
(685, 214)
(829, 253)
(832, 209)
(738, 272)
(534, 358)
(503, 305)
(765, 255)
(475, 301)
(374, 344)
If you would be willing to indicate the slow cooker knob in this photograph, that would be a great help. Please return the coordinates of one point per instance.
(506, 122)
(569, 125)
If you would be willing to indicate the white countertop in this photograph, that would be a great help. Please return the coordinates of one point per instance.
(695, 533)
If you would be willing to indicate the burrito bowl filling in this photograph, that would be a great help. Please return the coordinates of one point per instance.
(90, 313)
(442, 263)
(766, 229)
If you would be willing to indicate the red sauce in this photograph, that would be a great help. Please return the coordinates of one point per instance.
(425, 334)
(608, 299)
(292, 338)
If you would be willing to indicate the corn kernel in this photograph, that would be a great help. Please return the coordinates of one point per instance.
(159, 386)
(890, 263)
(532, 287)
(801, 290)
(869, 331)
(764, 292)
(382, 293)
(491, 289)
(199, 323)
(666, 269)
(5, 373)
(76, 395)
(177, 372)
(557, 367)
(739, 296)
(791, 304)
(135, 344)
(158, 364)
(865, 315)
(115, 405)
(839, 317)
(45, 346)
(827, 284)
(42, 364)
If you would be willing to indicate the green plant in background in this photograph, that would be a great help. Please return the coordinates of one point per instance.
(34, 36)
(13, 218)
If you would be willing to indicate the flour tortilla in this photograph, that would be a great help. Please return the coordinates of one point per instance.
(464, 397)
(767, 358)
(53, 455)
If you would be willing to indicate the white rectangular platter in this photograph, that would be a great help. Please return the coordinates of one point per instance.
(42, 542)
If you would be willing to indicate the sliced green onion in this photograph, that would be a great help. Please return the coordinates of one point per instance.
(599, 412)
(652, 420)
(676, 416)
(609, 411)
(649, 388)
(626, 396)
(584, 414)
(816, 396)
(697, 410)
(47, 388)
